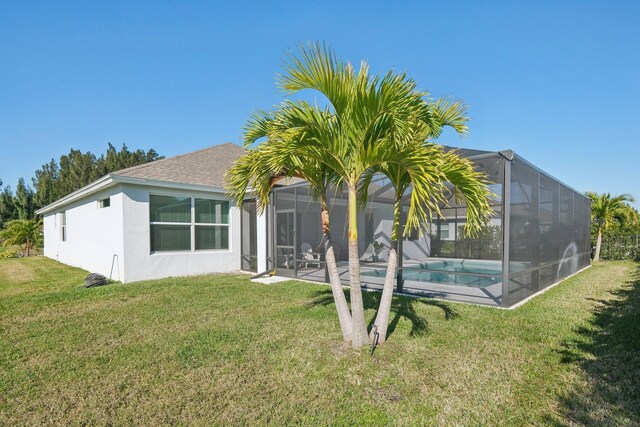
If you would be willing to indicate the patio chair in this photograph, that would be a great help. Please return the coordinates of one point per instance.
(308, 256)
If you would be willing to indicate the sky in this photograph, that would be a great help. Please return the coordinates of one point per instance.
(557, 82)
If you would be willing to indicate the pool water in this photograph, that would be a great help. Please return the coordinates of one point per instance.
(444, 272)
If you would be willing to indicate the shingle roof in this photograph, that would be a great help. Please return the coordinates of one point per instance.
(203, 167)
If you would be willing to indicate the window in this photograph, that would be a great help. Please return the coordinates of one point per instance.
(63, 227)
(444, 231)
(188, 224)
(212, 224)
(170, 223)
(104, 203)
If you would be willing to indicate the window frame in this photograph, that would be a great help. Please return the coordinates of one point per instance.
(444, 226)
(192, 224)
(101, 203)
(63, 226)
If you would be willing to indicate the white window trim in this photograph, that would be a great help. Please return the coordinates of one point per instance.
(192, 225)
(101, 201)
(63, 226)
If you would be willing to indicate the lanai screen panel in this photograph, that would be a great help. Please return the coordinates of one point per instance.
(446, 231)
(309, 237)
(541, 236)
(458, 266)
(548, 231)
(298, 238)
(284, 238)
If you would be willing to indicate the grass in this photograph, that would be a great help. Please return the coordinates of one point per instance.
(220, 350)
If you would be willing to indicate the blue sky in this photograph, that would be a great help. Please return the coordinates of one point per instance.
(558, 82)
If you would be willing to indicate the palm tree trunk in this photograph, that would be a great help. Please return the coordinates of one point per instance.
(384, 310)
(344, 315)
(596, 257)
(360, 337)
(28, 247)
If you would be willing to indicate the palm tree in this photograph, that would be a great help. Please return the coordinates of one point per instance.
(26, 233)
(607, 210)
(371, 115)
(370, 122)
(261, 168)
(468, 185)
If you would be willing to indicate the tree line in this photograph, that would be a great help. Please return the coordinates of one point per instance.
(72, 171)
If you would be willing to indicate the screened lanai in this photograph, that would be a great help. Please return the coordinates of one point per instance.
(538, 235)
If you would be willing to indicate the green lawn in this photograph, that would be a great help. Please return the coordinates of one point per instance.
(221, 350)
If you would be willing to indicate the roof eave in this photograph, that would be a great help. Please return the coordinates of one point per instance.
(112, 179)
(167, 184)
(100, 184)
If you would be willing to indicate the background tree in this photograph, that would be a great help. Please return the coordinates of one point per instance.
(44, 184)
(607, 211)
(24, 200)
(8, 209)
(26, 233)
(77, 169)
(115, 160)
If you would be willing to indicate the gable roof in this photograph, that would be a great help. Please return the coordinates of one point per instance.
(203, 170)
(203, 167)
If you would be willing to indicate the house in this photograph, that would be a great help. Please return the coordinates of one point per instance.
(171, 217)
(166, 218)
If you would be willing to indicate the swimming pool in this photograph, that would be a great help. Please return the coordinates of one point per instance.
(476, 274)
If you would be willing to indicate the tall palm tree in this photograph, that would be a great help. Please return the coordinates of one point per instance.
(369, 122)
(607, 210)
(468, 185)
(26, 233)
(372, 114)
(262, 167)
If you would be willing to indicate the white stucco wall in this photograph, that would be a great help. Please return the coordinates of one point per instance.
(141, 264)
(94, 234)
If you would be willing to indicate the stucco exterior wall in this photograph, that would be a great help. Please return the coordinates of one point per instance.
(94, 234)
(141, 264)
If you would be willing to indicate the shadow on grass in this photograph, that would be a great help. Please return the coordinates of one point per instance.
(608, 352)
(400, 307)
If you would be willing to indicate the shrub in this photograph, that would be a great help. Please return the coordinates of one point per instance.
(8, 254)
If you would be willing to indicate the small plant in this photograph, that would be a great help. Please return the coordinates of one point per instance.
(26, 233)
(8, 254)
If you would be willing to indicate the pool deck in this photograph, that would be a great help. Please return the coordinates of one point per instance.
(490, 295)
